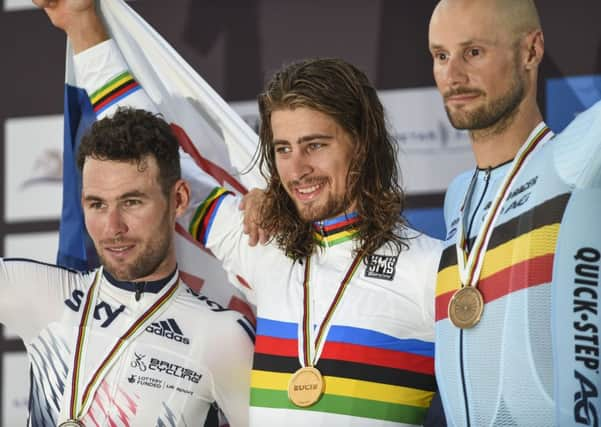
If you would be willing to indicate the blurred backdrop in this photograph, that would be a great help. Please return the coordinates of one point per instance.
(236, 45)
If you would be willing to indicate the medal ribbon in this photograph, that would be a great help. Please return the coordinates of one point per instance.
(85, 324)
(311, 351)
(470, 265)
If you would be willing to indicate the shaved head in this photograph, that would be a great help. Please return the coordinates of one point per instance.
(486, 55)
(514, 17)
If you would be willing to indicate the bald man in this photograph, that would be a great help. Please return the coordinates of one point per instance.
(516, 301)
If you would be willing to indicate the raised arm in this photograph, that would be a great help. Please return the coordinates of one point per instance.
(78, 19)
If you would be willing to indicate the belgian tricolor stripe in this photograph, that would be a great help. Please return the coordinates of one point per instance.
(336, 230)
(366, 373)
(113, 91)
(515, 259)
(205, 214)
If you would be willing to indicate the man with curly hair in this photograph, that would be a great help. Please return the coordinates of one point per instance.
(121, 345)
(345, 291)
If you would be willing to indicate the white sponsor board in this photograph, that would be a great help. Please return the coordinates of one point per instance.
(12, 5)
(33, 168)
(431, 152)
(38, 246)
(15, 388)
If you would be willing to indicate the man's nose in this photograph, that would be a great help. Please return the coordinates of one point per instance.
(455, 72)
(301, 166)
(115, 224)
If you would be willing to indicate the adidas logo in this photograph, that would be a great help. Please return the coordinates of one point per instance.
(168, 329)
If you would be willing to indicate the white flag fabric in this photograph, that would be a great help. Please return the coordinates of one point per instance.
(204, 123)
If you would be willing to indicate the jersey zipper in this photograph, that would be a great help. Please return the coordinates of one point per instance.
(461, 331)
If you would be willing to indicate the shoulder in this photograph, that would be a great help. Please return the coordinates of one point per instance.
(420, 253)
(212, 318)
(420, 243)
(577, 149)
(26, 268)
(457, 187)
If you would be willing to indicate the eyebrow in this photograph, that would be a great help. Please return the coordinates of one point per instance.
(129, 194)
(464, 44)
(306, 138)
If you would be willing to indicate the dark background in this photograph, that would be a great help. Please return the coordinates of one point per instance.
(236, 45)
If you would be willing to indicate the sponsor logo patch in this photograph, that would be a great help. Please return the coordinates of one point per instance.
(381, 267)
(168, 329)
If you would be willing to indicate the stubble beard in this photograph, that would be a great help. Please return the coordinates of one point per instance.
(494, 115)
(333, 207)
(145, 264)
(317, 211)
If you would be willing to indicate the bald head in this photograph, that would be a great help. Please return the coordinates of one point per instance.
(486, 55)
(513, 17)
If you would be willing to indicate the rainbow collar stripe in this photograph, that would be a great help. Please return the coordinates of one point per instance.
(336, 230)
(113, 91)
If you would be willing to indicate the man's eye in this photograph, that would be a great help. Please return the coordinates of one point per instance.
(95, 205)
(474, 51)
(132, 202)
(441, 56)
(282, 149)
(315, 145)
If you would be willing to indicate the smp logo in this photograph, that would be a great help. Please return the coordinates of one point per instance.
(381, 267)
(168, 329)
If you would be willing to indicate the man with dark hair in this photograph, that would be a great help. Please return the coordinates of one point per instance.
(344, 294)
(128, 343)
(134, 134)
(516, 299)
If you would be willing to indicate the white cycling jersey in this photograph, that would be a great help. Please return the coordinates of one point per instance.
(377, 358)
(192, 354)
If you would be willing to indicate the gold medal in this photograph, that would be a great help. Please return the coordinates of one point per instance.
(305, 387)
(466, 307)
(71, 423)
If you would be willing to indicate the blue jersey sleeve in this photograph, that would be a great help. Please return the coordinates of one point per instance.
(577, 154)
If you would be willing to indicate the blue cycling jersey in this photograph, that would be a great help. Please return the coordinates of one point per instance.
(521, 364)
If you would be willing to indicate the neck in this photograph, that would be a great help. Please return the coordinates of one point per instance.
(501, 142)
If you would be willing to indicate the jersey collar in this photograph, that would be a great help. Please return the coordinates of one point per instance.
(153, 287)
(333, 231)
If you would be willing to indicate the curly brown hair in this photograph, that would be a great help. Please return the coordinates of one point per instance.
(130, 135)
(338, 89)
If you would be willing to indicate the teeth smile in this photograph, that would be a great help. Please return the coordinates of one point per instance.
(308, 190)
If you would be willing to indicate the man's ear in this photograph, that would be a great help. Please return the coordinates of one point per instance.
(181, 194)
(535, 49)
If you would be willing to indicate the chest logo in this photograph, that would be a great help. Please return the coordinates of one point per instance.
(168, 329)
(381, 267)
